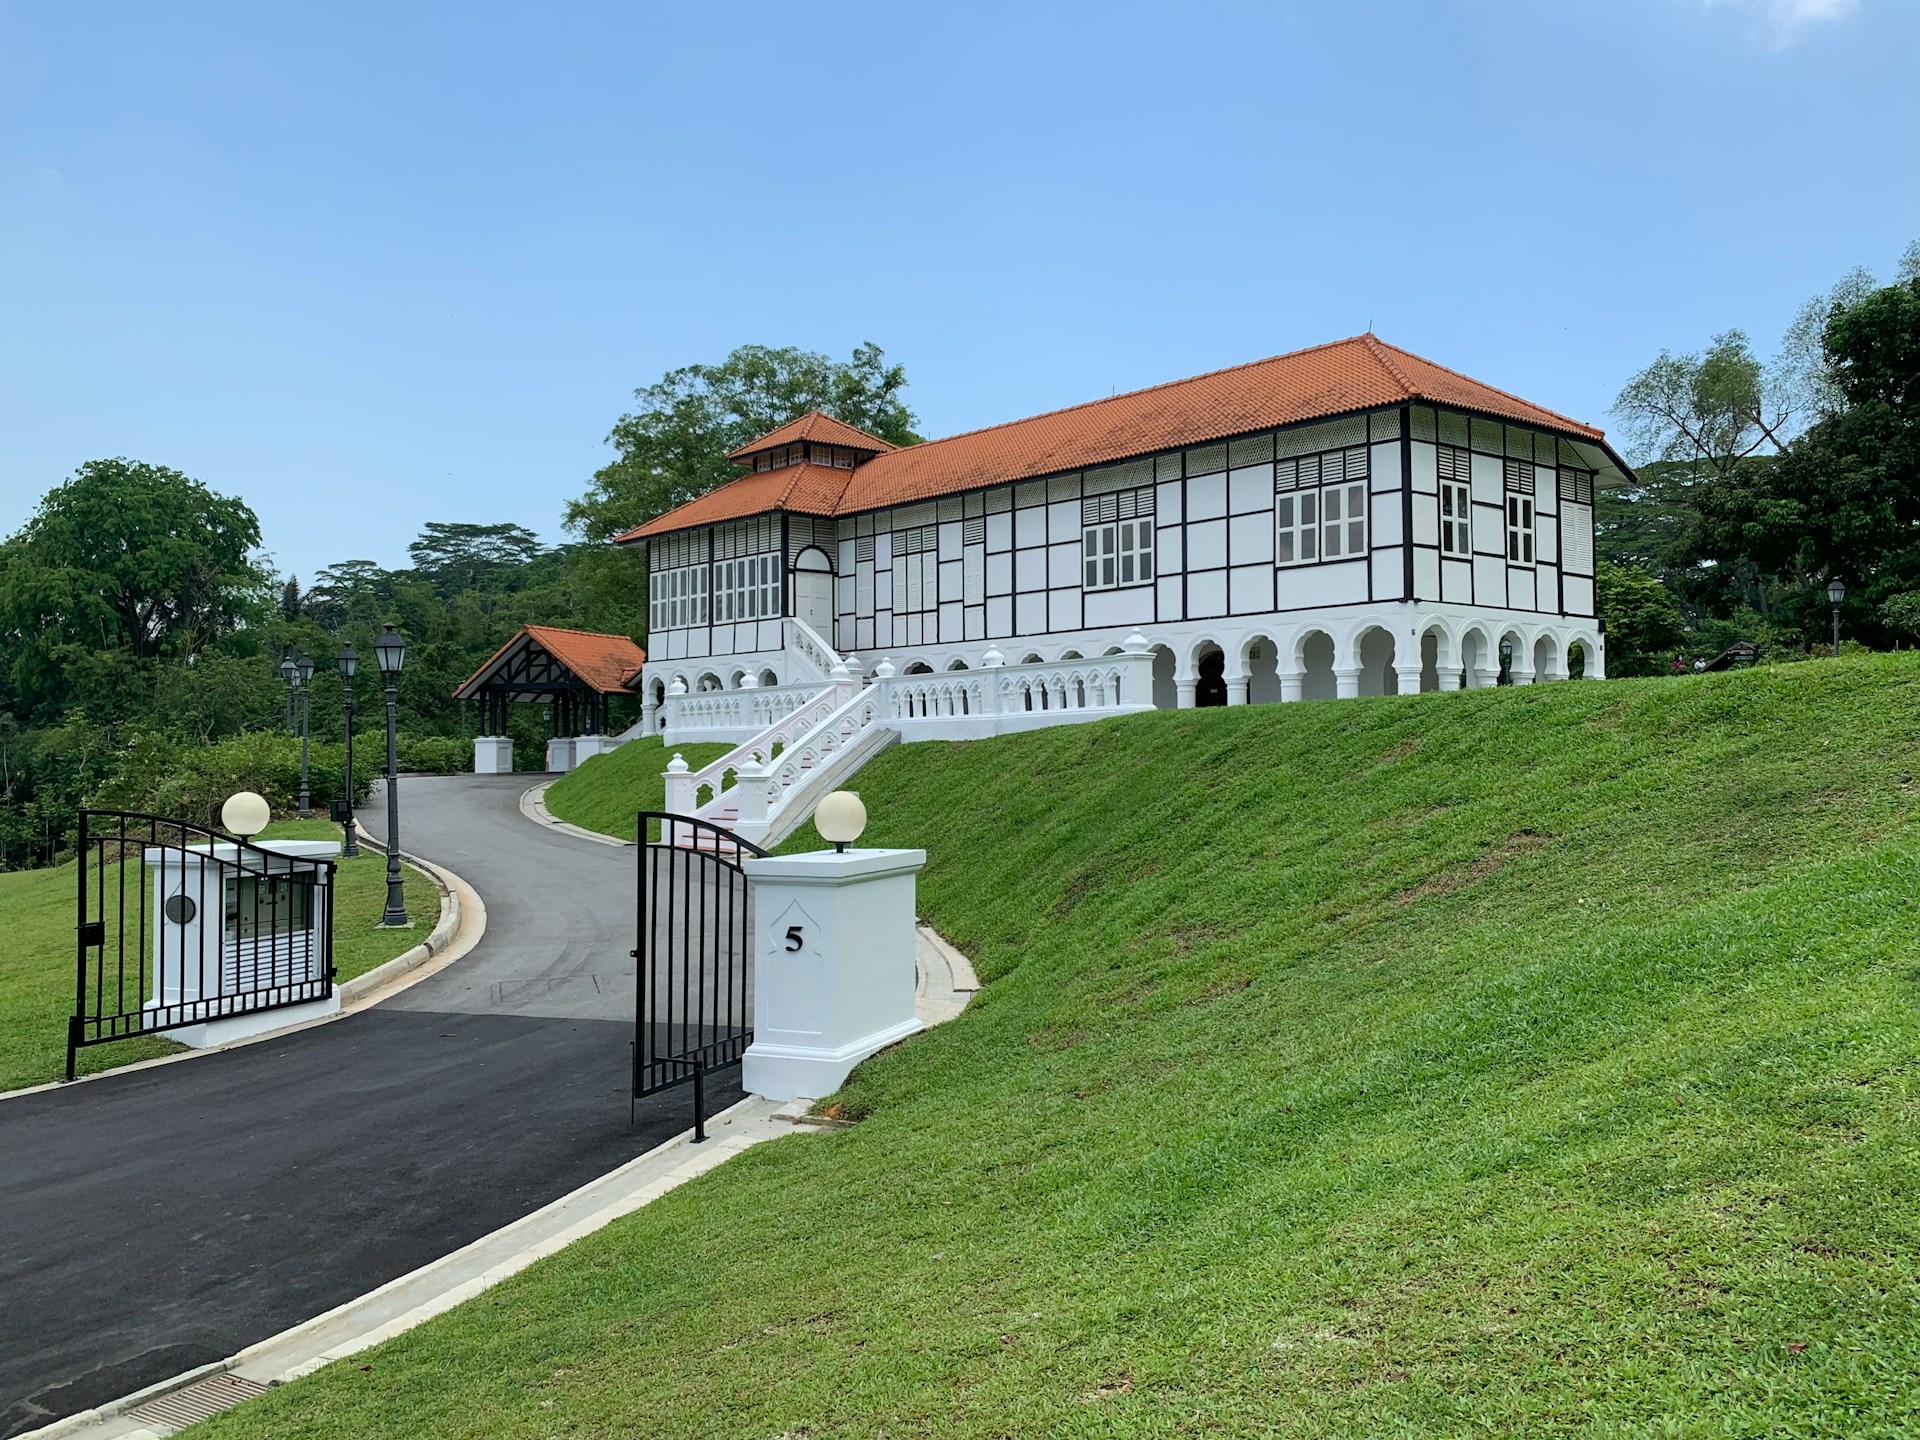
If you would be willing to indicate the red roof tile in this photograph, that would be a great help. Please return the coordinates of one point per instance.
(1361, 373)
(819, 427)
(603, 662)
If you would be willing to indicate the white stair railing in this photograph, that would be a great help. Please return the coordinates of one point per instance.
(684, 784)
(723, 714)
(776, 796)
(805, 646)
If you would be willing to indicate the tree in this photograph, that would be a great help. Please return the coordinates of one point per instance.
(1643, 623)
(130, 558)
(672, 448)
(454, 557)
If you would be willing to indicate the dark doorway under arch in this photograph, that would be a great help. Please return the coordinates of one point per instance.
(1211, 688)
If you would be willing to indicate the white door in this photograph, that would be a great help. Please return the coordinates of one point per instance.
(813, 601)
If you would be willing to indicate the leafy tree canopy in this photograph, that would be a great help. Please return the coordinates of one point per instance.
(130, 558)
(672, 448)
(454, 556)
(1643, 623)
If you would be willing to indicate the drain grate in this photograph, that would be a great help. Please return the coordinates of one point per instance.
(196, 1402)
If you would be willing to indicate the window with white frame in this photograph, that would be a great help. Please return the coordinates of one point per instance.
(747, 588)
(1519, 490)
(1456, 501)
(1320, 506)
(1116, 539)
(677, 598)
(916, 569)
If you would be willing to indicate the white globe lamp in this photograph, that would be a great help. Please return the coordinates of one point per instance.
(245, 814)
(840, 818)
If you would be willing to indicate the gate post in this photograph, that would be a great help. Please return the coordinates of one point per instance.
(833, 965)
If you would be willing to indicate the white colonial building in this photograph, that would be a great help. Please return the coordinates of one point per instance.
(1340, 521)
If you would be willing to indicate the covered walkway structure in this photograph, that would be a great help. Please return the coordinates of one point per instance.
(574, 675)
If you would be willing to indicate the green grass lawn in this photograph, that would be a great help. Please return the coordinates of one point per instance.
(1540, 1060)
(607, 791)
(36, 961)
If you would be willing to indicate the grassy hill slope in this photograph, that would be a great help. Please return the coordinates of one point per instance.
(1539, 1060)
(607, 791)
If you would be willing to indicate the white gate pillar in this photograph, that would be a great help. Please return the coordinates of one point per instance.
(833, 967)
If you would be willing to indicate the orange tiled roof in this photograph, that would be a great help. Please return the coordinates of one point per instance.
(603, 662)
(819, 427)
(1361, 373)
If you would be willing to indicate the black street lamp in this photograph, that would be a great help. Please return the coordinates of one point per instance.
(303, 666)
(290, 673)
(348, 662)
(391, 653)
(1836, 592)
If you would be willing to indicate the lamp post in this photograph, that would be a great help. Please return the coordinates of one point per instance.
(303, 664)
(391, 653)
(348, 661)
(290, 673)
(1836, 592)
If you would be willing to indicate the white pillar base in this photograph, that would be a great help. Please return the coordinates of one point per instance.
(585, 747)
(1346, 684)
(213, 1033)
(1407, 682)
(833, 966)
(1237, 691)
(493, 755)
(1291, 687)
(1183, 691)
(560, 754)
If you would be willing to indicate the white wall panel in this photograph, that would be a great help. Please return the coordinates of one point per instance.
(1384, 466)
(883, 551)
(999, 616)
(1426, 468)
(1063, 520)
(1389, 573)
(1030, 614)
(1029, 570)
(1207, 497)
(1456, 582)
(866, 634)
(845, 567)
(1578, 592)
(1546, 538)
(1207, 595)
(844, 602)
(1133, 606)
(1250, 589)
(771, 637)
(950, 581)
(1000, 531)
(1030, 526)
(1251, 539)
(1386, 519)
(953, 624)
(1546, 490)
(973, 575)
(1207, 545)
(1300, 586)
(1063, 610)
(1250, 488)
(949, 540)
(1171, 587)
(1063, 562)
(1167, 502)
(876, 591)
(1426, 575)
(1489, 482)
(976, 622)
(1170, 560)
(1426, 518)
(1546, 591)
(999, 574)
(1489, 580)
(1520, 588)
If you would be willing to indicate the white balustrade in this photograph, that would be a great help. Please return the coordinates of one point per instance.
(710, 715)
(804, 643)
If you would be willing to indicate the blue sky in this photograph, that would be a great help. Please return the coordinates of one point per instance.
(369, 265)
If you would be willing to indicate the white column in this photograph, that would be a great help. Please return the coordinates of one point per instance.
(1408, 678)
(1237, 690)
(1183, 694)
(1290, 687)
(833, 967)
(1346, 683)
(1450, 679)
(492, 755)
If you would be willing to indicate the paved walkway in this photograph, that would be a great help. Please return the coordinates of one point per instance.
(165, 1218)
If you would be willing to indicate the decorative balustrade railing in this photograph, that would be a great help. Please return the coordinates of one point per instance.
(997, 699)
(724, 714)
(782, 791)
(684, 786)
(806, 644)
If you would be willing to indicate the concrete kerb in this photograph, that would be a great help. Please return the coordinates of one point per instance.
(533, 805)
(463, 920)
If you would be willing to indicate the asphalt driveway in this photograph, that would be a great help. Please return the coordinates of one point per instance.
(157, 1220)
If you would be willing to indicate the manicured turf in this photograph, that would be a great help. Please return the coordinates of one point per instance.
(36, 955)
(1542, 1060)
(607, 791)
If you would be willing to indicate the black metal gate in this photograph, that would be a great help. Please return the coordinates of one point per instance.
(180, 925)
(693, 1013)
